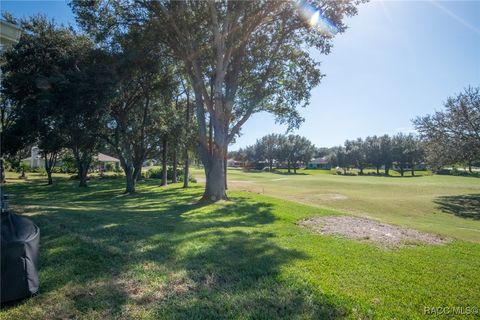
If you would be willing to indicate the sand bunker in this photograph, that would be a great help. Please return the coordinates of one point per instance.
(382, 234)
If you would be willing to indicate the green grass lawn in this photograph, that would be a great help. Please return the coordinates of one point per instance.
(161, 255)
(446, 205)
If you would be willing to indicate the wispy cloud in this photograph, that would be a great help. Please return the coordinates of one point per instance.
(454, 16)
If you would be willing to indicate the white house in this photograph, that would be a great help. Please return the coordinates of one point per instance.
(36, 160)
(235, 163)
(320, 163)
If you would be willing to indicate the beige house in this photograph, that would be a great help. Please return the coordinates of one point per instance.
(104, 160)
(36, 160)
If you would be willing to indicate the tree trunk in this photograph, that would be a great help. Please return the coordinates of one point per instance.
(295, 167)
(138, 173)
(214, 164)
(186, 169)
(129, 175)
(164, 162)
(130, 179)
(470, 166)
(378, 170)
(288, 166)
(270, 165)
(186, 159)
(83, 162)
(401, 171)
(49, 176)
(215, 184)
(361, 171)
(82, 176)
(413, 170)
(225, 170)
(48, 168)
(387, 170)
(174, 175)
(2, 171)
(212, 159)
(210, 136)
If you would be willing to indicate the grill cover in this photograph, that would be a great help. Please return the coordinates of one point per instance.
(20, 239)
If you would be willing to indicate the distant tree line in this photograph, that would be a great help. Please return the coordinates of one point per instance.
(292, 151)
(277, 150)
(379, 152)
(446, 138)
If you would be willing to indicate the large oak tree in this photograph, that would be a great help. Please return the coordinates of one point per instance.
(55, 79)
(452, 135)
(142, 103)
(241, 57)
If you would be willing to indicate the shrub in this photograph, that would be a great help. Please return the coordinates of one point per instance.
(57, 170)
(157, 173)
(109, 167)
(456, 172)
(68, 163)
(22, 167)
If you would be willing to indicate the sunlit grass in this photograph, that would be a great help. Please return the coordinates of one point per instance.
(160, 254)
(432, 203)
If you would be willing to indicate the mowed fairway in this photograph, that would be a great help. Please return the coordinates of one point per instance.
(160, 254)
(446, 205)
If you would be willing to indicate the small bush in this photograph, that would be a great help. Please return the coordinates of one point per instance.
(157, 173)
(112, 176)
(456, 172)
(57, 170)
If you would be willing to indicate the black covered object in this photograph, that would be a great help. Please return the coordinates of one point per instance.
(20, 239)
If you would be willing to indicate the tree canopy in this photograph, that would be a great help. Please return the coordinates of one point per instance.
(453, 134)
(241, 57)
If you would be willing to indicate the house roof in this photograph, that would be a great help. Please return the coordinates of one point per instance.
(106, 158)
(100, 157)
(322, 160)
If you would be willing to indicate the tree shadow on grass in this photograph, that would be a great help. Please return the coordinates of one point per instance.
(163, 254)
(465, 206)
(237, 276)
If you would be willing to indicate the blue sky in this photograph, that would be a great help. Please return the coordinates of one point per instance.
(397, 60)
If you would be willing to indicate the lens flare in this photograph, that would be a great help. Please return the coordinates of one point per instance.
(316, 18)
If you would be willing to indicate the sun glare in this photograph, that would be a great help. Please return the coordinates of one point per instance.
(316, 18)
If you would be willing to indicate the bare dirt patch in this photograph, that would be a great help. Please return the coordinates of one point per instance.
(381, 234)
(322, 197)
(249, 186)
